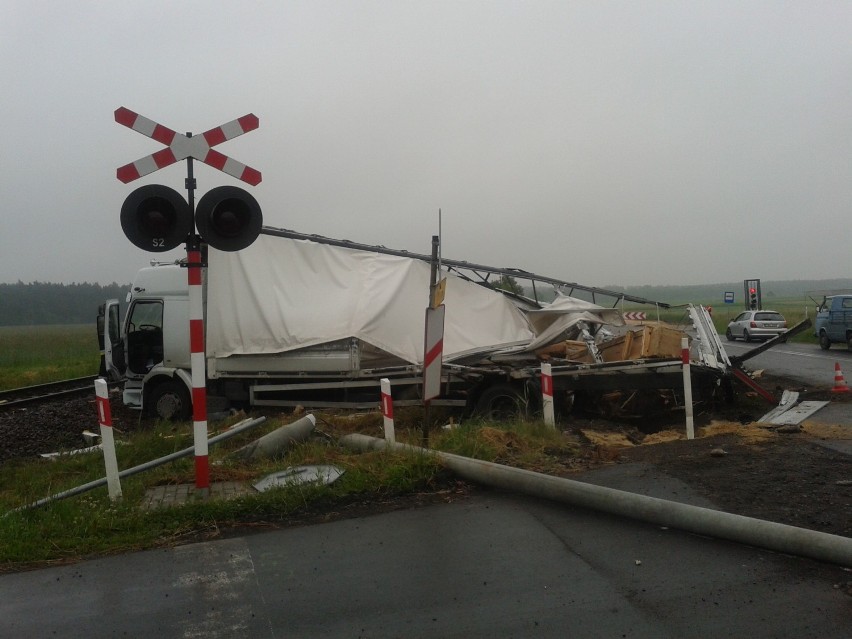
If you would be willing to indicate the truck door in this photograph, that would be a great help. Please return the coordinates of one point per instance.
(110, 341)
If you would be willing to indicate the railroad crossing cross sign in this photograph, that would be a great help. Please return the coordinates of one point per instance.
(180, 147)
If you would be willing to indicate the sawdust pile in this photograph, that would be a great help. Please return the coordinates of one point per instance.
(827, 431)
(748, 433)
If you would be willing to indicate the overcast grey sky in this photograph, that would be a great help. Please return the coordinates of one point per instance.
(603, 142)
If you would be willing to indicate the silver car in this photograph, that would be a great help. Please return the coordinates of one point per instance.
(751, 325)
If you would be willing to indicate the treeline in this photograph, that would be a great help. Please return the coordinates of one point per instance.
(45, 303)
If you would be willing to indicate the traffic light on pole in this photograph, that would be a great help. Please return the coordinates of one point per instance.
(156, 218)
(228, 218)
(752, 298)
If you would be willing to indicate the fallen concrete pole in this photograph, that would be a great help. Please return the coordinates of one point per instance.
(278, 440)
(703, 521)
(186, 452)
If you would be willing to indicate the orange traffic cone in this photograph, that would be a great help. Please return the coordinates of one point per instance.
(839, 383)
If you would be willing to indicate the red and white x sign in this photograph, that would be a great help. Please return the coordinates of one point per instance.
(179, 147)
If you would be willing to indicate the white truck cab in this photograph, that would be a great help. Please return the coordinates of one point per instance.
(151, 350)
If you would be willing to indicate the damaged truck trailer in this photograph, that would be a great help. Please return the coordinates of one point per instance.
(303, 320)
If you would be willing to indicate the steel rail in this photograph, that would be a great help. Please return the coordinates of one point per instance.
(14, 397)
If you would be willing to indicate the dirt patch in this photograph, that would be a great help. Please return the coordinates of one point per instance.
(754, 471)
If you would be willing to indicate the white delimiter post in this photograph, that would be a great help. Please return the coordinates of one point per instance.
(687, 388)
(199, 374)
(387, 410)
(107, 440)
(547, 395)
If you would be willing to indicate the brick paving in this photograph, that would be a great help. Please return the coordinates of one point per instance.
(177, 494)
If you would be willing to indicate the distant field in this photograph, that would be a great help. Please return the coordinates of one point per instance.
(38, 354)
(794, 311)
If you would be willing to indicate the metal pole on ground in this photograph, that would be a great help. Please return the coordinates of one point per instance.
(236, 429)
(702, 521)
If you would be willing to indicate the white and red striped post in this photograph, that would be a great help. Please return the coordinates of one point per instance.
(199, 376)
(547, 395)
(107, 439)
(387, 411)
(687, 388)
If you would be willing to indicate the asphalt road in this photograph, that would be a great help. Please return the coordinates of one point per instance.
(807, 363)
(492, 565)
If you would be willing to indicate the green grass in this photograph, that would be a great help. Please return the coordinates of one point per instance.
(39, 354)
(90, 524)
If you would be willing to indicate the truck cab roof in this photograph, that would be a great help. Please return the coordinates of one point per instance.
(162, 280)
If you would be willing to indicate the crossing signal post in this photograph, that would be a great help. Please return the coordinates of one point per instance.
(157, 218)
(753, 301)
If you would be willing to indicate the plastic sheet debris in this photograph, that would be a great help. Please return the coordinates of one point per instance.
(300, 475)
(790, 412)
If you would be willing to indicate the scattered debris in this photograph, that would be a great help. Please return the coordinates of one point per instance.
(789, 428)
(300, 475)
(69, 453)
(788, 400)
(278, 440)
(789, 411)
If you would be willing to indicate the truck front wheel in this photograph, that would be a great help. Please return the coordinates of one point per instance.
(170, 401)
(824, 342)
(502, 402)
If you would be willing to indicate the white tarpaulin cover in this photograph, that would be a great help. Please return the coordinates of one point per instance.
(565, 306)
(559, 319)
(281, 294)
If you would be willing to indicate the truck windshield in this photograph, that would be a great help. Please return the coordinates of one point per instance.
(145, 336)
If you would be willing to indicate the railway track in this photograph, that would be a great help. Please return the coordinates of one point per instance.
(41, 393)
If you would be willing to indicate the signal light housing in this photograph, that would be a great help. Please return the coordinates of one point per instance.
(156, 218)
(228, 218)
(751, 291)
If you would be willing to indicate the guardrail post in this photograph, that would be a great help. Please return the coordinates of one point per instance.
(547, 395)
(387, 410)
(107, 439)
(687, 388)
